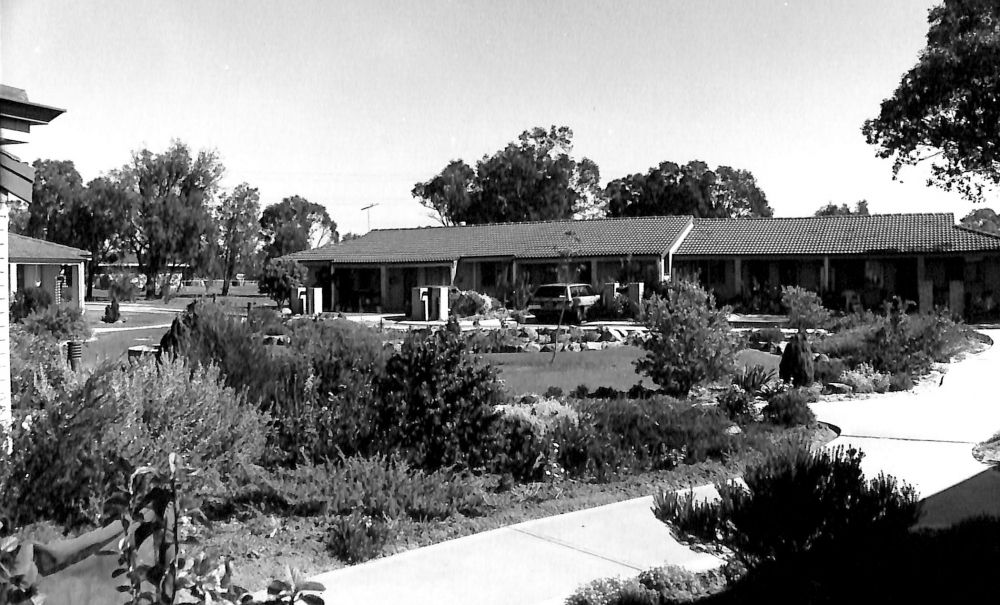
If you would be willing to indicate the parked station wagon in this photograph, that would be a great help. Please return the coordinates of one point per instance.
(574, 299)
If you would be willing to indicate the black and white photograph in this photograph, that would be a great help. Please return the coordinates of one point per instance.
(499, 302)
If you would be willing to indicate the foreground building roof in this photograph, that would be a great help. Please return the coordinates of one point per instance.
(653, 236)
(29, 250)
(834, 235)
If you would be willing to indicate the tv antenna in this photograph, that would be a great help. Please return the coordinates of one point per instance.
(368, 210)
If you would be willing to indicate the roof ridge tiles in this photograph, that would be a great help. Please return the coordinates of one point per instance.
(544, 222)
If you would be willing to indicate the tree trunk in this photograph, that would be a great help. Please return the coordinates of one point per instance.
(227, 276)
(91, 267)
(150, 284)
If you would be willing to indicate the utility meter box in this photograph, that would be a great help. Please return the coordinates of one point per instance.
(419, 303)
(438, 303)
(635, 292)
(299, 302)
(314, 300)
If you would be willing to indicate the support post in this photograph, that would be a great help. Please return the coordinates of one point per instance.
(452, 271)
(662, 270)
(738, 276)
(383, 288)
(593, 273)
(825, 276)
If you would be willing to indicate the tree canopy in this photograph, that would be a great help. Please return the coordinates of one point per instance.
(100, 219)
(831, 209)
(237, 230)
(63, 210)
(295, 224)
(171, 222)
(687, 189)
(57, 187)
(532, 178)
(946, 109)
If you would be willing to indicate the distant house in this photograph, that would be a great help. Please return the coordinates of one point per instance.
(851, 260)
(57, 269)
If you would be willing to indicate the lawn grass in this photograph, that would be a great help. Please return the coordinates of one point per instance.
(114, 345)
(535, 372)
(752, 357)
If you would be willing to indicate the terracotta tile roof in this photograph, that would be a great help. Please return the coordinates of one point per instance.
(543, 239)
(834, 235)
(28, 250)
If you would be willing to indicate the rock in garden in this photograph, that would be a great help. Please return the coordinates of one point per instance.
(839, 388)
(592, 346)
(529, 332)
(532, 347)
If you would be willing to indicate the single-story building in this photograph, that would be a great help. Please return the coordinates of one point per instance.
(851, 260)
(378, 270)
(56, 268)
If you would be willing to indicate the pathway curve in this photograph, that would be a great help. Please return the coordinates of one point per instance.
(925, 437)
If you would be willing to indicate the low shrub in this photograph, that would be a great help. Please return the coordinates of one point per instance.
(265, 320)
(437, 403)
(852, 346)
(900, 381)
(492, 341)
(61, 467)
(553, 392)
(805, 308)
(61, 322)
(171, 408)
(829, 370)
(661, 585)
(645, 434)
(737, 404)
(468, 303)
(896, 342)
(865, 379)
(377, 486)
(795, 500)
(521, 450)
(796, 364)
(791, 408)
(34, 358)
(689, 340)
(82, 441)
(357, 537)
(27, 301)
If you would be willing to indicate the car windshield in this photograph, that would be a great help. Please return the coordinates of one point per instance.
(550, 291)
(582, 291)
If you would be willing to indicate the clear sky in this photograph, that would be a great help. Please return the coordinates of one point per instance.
(351, 103)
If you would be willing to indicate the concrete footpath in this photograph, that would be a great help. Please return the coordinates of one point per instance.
(924, 438)
(536, 562)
